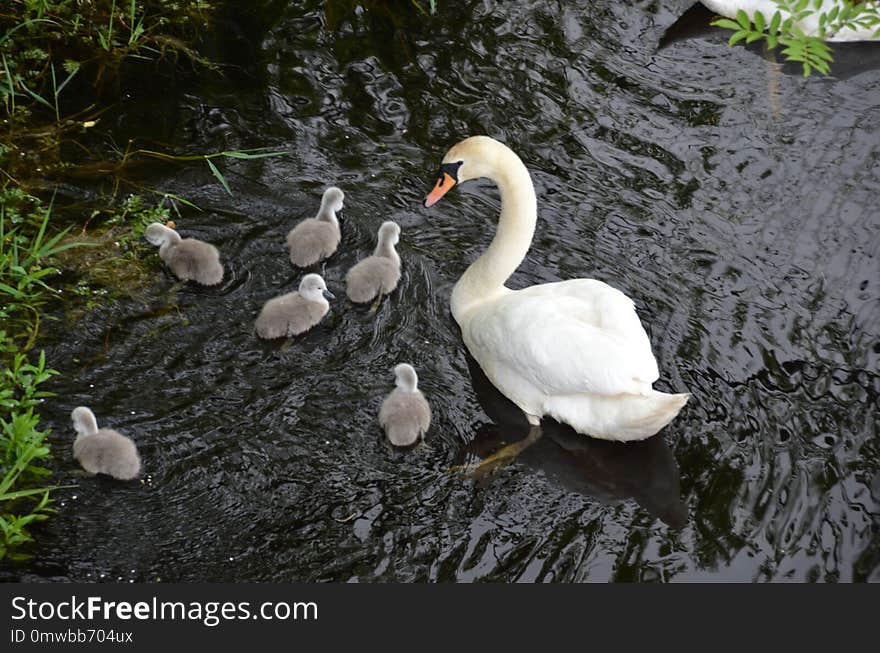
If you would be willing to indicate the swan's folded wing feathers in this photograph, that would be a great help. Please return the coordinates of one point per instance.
(556, 341)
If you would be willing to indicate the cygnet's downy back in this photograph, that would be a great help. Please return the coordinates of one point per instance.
(315, 239)
(405, 414)
(379, 273)
(189, 259)
(103, 451)
(296, 312)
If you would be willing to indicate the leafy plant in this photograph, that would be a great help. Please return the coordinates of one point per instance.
(786, 27)
(254, 153)
(23, 451)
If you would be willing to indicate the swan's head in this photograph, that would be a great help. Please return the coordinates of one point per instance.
(332, 199)
(405, 377)
(84, 422)
(313, 288)
(389, 233)
(471, 158)
(158, 234)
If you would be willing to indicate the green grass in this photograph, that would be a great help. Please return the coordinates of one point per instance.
(25, 497)
(26, 250)
(48, 48)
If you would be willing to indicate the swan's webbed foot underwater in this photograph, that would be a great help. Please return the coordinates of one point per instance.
(288, 343)
(501, 458)
(421, 447)
(376, 303)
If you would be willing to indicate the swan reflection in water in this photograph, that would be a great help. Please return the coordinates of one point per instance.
(850, 57)
(608, 471)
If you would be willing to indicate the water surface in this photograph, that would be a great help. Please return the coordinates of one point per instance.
(734, 202)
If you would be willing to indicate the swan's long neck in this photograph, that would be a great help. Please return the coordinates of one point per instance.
(386, 248)
(84, 423)
(326, 214)
(485, 277)
(172, 238)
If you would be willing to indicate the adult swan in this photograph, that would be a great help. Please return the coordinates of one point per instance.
(572, 350)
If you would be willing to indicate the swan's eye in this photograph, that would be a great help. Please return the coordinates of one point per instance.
(450, 169)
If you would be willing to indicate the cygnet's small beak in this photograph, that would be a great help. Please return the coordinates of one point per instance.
(444, 185)
(328, 294)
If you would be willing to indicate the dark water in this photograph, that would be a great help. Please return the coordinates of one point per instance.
(736, 203)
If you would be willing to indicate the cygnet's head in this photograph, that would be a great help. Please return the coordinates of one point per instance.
(406, 377)
(332, 199)
(389, 233)
(157, 234)
(472, 158)
(313, 288)
(84, 422)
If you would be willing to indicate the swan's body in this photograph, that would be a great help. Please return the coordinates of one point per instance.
(809, 25)
(314, 239)
(188, 258)
(295, 312)
(103, 451)
(377, 274)
(572, 350)
(405, 414)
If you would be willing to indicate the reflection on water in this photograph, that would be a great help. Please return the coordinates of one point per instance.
(608, 471)
(850, 58)
(743, 223)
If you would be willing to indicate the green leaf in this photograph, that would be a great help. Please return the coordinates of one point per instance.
(759, 22)
(743, 19)
(738, 36)
(726, 23)
(258, 153)
(218, 175)
(774, 22)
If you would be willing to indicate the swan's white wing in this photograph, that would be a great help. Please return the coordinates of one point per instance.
(569, 337)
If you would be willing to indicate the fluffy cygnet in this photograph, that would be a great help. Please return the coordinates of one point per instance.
(188, 258)
(378, 274)
(295, 312)
(103, 451)
(314, 239)
(405, 414)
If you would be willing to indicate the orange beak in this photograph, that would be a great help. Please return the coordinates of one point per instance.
(443, 185)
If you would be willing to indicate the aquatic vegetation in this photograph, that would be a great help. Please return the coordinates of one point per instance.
(808, 48)
(25, 267)
(24, 499)
(58, 61)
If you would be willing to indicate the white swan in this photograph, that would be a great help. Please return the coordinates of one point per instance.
(574, 350)
(809, 25)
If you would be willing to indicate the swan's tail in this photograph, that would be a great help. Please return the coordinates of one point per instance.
(616, 417)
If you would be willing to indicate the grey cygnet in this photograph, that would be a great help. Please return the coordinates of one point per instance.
(314, 239)
(405, 414)
(103, 451)
(188, 258)
(295, 312)
(377, 274)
